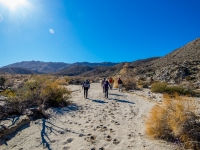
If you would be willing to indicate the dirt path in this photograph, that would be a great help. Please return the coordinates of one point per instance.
(116, 123)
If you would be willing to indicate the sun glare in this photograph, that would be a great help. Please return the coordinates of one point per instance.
(13, 4)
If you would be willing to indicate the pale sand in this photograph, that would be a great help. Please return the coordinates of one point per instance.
(87, 123)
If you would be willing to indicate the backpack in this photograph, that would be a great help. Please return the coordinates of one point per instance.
(120, 82)
(86, 84)
(106, 84)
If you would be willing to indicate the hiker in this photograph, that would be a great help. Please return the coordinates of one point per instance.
(102, 83)
(111, 81)
(86, 86)
(120, 84)
(106, 86)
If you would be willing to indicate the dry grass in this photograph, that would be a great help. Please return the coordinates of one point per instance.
(175, 120)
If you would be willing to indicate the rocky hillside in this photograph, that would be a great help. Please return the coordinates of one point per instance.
(189, 52)
(17, 70)
(74, 70)
(104, 71)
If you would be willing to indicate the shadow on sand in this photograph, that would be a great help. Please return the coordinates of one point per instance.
(70, 108)
(116, 94)
(124, 101)
(46, 125)
(98, 101)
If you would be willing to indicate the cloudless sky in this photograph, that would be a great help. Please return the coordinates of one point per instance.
(94, 30)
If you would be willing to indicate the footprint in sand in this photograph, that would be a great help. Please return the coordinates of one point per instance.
(53, 141)
(66, 148)
(108, 138)
(116, 141)
(117, 123)
(111, 130)
(91, 138)
(68, 141)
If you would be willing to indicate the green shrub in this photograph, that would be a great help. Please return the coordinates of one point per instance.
(159, 87)
(162, 87)
(2, 81)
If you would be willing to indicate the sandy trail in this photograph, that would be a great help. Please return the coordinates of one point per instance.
(116, 123)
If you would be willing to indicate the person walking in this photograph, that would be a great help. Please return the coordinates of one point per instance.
(102, 84)
(120, 84)
(106, 87)
(111, 82)
(86, 86)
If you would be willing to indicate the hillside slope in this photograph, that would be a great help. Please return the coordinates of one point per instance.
(17, 70)
(189, 52)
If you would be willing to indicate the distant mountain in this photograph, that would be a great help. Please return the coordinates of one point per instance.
(104, 71)
(52, 67)
(95, 64)
(17, 70)
(74, 70)
(45, 67)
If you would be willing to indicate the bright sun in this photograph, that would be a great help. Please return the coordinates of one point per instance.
(13, 4)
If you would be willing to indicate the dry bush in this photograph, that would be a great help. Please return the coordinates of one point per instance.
(175, 119)
(41, 92)
(9, 83)
(61, 82)
(130, 84)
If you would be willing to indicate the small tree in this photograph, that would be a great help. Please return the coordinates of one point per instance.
(2, 82)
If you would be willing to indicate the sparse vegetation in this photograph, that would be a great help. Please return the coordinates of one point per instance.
(175, 120)
(2, 81)
(39, 91)
(130, 84)
(162, 87)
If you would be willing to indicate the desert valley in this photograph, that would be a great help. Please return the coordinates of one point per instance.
(42, 105)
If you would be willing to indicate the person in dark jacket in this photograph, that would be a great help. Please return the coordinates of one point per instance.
(106, 86)
(86, 86)
(120, 84)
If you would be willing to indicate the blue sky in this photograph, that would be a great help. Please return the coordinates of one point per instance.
(94, 30)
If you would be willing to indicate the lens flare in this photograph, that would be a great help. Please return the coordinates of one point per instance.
(51, 31)
(13, 4)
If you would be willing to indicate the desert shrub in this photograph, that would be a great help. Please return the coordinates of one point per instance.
(8, 93)
(130, 84)
(159, 87)
(45, 91)
(9, 83)
(61, 82)
(2, 81)
(162, 87)
(145, 85)
(175, 119)
(41, 92)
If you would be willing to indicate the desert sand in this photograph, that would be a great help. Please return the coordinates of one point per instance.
(96, 123)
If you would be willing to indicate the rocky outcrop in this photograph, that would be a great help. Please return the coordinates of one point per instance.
(175, 73)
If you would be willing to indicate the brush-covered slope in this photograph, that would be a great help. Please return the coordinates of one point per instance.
(17, 70)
